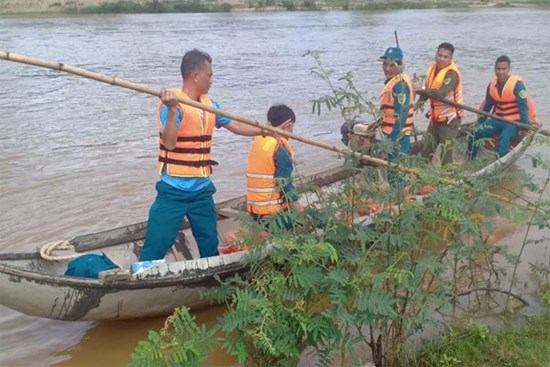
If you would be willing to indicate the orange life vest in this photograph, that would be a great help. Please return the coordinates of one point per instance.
(191, 156)
(505, 102)
(387, 103)
(263, 194)
(441, 112)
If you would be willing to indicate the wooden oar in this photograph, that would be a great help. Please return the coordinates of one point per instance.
(483, 113)
(10, 56)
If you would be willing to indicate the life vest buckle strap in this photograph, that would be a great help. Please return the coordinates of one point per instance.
(200, 138)
(186, 150)
(203, 163)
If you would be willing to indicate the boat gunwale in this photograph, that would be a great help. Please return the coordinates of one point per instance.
(509, 159)
(194, 276)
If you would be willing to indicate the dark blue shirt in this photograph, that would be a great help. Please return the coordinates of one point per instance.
(401, 105)
(283, 173)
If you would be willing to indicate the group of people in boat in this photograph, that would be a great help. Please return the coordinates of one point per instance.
(184, 164)
(506, 97)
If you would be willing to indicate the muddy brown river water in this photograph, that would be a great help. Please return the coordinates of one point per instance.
(77, 156)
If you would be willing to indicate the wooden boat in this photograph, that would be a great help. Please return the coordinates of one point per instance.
(364, 136)
(38, 287)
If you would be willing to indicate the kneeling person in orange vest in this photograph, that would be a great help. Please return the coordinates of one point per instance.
(506, 97)
(269, 188)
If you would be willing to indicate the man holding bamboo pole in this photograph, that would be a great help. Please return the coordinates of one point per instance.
(184, 165)
(507, 96)
(444, 80)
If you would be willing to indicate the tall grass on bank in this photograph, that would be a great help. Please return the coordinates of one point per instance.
(533, 2)
(205, 6)
(130, 7)
(476, 345)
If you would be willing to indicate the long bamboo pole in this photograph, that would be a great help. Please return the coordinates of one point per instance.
(10, 56)
(484, 113)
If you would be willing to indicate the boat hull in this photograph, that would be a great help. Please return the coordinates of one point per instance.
(159, 293)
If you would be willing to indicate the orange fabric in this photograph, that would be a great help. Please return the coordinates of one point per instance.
(506, 103)
(532, 109)
(378, 207)
(234, 242)
(426, 190)
(191, 156)
(263, 195)
(440, 112)
(387, 103)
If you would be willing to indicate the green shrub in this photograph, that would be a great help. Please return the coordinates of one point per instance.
(180, 343)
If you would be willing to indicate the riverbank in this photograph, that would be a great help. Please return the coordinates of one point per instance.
(18, 7)
(476, 344)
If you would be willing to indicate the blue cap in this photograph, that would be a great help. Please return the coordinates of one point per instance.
(393, 53)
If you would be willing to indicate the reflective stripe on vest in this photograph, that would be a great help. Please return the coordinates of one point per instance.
(256, 175)
(387, 103)
(255, 205)
(263, 194)
(441, 112)
(191, 156)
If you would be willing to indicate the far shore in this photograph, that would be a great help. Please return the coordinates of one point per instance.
(44, 7)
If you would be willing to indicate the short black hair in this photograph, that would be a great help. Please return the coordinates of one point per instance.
(447, 46)
(280, 113)
(193, 60)
(503, 58)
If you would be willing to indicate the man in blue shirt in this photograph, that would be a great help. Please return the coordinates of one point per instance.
(396, 104)
(185, 188)
(506, 97)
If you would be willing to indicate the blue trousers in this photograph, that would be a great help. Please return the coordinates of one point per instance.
(401, 146)
(489, 128)
(166, 216)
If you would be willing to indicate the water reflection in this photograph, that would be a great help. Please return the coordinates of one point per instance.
(102, 336)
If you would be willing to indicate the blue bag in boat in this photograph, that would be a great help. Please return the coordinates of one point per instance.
(89, 266)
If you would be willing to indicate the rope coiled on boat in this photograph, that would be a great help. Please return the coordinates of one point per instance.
(46, 251)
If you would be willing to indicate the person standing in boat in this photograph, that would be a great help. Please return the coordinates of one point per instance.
(397, 106)
(507, 97)
(269, 188)
(184, 165)
(444, 80)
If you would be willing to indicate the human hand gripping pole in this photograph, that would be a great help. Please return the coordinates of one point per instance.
(536, 128)
(9, 56)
